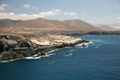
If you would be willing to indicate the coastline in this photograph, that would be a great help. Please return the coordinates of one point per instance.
(34, 49)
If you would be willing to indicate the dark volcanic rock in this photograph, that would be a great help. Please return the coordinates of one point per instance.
(14, 47)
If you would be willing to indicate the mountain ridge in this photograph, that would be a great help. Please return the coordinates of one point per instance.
(108, 27)
(42, 25)
(6, 22)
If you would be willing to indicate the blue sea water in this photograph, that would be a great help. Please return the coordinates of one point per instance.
(99, 61)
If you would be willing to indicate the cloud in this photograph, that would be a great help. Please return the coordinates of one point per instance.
(66, 13)
(14, 16)
(35, 8)
(118, 18)
(19, 16)
(2, 7)
(70, 13)
(51, 13)
(76, 18)
(26, 6)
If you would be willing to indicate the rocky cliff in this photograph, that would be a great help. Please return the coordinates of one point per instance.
(14, 47)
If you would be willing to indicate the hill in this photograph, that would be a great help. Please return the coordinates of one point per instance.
(116, 26)
(46, 26)
(81, 25)
(105, 27)
(109, 27)
(6, 22)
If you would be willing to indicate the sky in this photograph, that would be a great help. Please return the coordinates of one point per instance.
(91, 11)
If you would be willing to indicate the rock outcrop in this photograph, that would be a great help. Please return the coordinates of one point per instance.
(14, 47)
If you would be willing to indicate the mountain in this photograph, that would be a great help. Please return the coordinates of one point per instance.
(105, 27)
(116, 26)
(108, 27)
(6, 22)
(41, 25)
(81, 25)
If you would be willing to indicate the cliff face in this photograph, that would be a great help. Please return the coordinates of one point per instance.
(12, 47)
(18, 46)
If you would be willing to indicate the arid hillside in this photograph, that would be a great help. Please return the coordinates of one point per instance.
(6, 22)
(41, 25)
(109, 27)
(81, 25)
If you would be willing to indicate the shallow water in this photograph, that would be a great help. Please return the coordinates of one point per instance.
(99, 61)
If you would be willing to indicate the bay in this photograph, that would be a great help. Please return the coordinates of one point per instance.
(99, 61)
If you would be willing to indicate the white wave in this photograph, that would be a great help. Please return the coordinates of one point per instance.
(90, 42)
(72, 50)
(53, 54)
(7, 61)
(84, 44)
(52, 50)
(96, 47)
(35, 55)
(68, 55)
(67, 47)
(79, 45)
(29, 57)
(4, 61)
(47, 55)
(52, 62)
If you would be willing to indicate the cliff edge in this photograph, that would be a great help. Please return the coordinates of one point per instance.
(14, 47)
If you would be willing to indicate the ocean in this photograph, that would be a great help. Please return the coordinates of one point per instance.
(99, 61)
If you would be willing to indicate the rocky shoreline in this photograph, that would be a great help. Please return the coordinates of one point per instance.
(14, 47)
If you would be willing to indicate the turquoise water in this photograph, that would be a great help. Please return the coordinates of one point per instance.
(99, 61)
